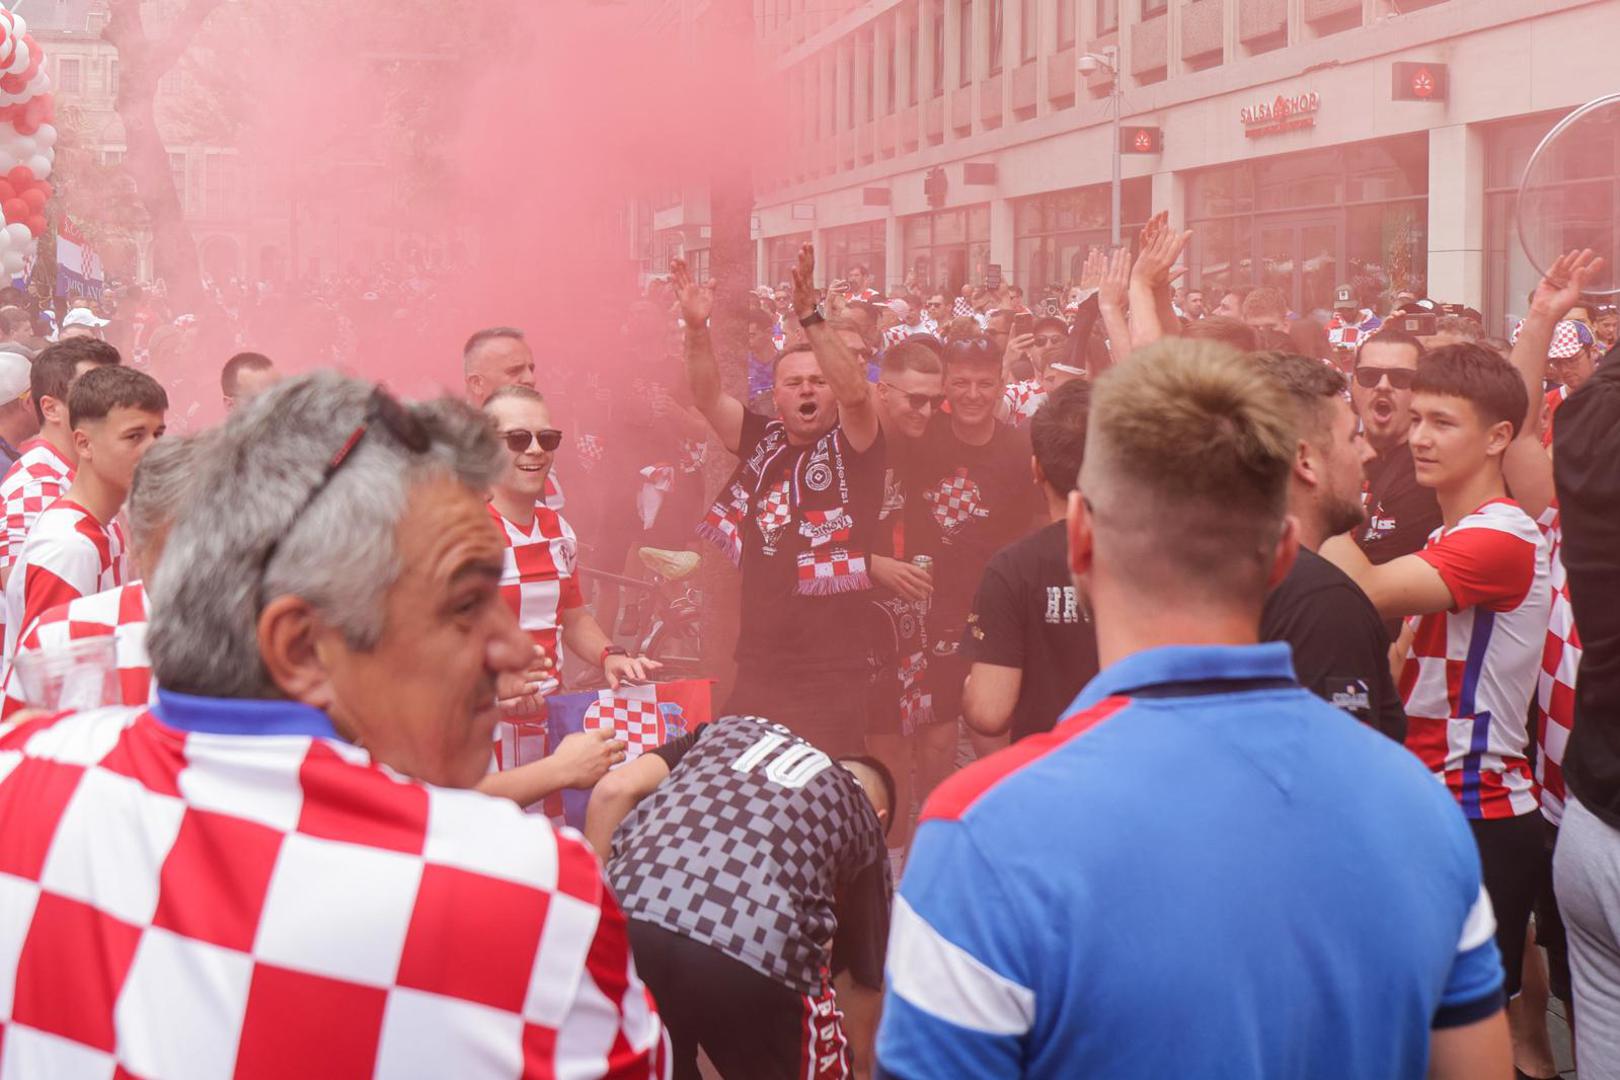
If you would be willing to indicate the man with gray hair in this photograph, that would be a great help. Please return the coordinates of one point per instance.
(161, 481)
(245, 877)
(494, 357)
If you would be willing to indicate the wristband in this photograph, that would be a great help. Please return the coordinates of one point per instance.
(811, 319)
(611, 650)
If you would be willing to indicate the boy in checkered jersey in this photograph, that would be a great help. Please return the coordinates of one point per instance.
(1477, 600)
(77, 547)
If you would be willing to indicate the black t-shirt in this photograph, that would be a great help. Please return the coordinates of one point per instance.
(781, 627)
(1341, 649)
(763, 847)
(1029, 615)
(964, 504)
(1586, 468)
(1400, 513)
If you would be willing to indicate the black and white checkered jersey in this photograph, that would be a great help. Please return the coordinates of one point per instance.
(760, 846)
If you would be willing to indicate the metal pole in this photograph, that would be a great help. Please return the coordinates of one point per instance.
(1114, 193)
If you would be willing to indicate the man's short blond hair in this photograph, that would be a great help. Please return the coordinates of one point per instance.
(1188, 456)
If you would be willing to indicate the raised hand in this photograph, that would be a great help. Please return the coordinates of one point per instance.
(805, 296)
(1159, 253)
(695, 301)
(1092, 270)
(1116, 280)
(1564, 284)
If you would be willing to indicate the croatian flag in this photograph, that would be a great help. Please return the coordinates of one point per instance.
(78, 267)
(645, 717)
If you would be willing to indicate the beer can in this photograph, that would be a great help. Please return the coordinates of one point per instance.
(925, 563)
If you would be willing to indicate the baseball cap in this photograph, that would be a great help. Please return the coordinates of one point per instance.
(1345, 297)
(83, 317)
(1569, 338)
(14, 369)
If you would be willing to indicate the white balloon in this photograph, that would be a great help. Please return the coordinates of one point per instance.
(46, 136)
(20, 147)
(12, 261)
(19, 62)
(18, 235)
(40, 165)
(19, 25)
(7, 162)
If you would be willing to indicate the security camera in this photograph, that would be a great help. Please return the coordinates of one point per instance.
(1090, 64)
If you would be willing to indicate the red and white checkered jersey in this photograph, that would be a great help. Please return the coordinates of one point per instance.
(34, 481)
(1470, 672)
(1555, 689)
(1022, 400)
(539, 578)
(68, 554)
(179, 903)
(118, 613)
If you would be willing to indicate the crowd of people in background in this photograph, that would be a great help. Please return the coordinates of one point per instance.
(1096, 656)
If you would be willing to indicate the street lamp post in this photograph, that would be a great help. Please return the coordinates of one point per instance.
(1108, 60)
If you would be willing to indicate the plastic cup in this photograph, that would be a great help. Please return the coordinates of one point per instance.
(82, 674)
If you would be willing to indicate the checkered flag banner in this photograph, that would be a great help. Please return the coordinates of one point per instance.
(645, 717)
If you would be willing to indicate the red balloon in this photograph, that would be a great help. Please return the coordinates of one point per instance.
(21, 177)
(36, 224)
(7, 192)
(35, 199)
(45, 186)
(15, 210)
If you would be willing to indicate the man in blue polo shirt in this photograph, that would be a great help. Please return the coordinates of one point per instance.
(1204, 870)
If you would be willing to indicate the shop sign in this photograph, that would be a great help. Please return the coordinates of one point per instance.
(1282, 114)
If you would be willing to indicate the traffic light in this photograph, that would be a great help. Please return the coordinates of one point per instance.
(1141, 140)
(1420, 82)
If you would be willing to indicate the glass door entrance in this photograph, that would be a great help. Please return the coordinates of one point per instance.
(1300, 256)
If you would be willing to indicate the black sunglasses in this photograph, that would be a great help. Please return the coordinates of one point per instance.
(518, 441)
(1050, 339)
(918, 401)
(1399, 378)
(382, 410)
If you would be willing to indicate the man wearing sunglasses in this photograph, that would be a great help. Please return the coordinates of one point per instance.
(1400, 513)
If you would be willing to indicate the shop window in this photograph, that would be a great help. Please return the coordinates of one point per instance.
(1107, 16)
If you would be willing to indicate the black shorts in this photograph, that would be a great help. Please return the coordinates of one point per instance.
(1513, 856)
(749, 1025)
(948, 668)
(826, 709)
(1550, 924)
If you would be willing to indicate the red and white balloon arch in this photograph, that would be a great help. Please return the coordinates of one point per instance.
(27, 142)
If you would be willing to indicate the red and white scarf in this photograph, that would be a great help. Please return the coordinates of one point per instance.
(809, 506)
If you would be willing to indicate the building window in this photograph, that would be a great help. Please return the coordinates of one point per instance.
(1309, 222)
(869, 61)
(112, 158)
(177, 169)
(964, 31)
(1065, 23)
(222, 178)
(994, 45)
(112, 76)
(910, 29)
(70, 76)
(947, 249)
(1029, 29)
(1153, 8)
(1107, 16)
(938, 44)
(850, 60)
(781, 256)
(855, 245)
(1580, 213)
(1053, 232)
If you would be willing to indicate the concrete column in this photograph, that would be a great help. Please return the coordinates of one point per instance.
(894, 259)
(925, 55)
(953, 48)
(1170, 193)
(1001, 239)
(904, 37)
(1457, 214)
(762, 264)
(865, 64)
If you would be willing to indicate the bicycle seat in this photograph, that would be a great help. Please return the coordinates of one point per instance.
(670, 565)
